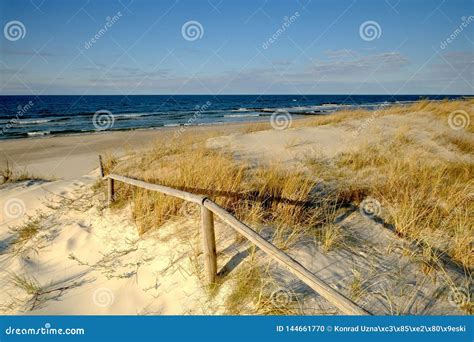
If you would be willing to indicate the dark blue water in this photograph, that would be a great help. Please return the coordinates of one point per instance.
(27, 116)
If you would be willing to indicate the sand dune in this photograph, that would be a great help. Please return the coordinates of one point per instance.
(85, 258)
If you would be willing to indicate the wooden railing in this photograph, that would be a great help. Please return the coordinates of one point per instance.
(208, 210)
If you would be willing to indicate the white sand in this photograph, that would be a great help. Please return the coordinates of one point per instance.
(115, 271)
(68, 157)
(294, 145)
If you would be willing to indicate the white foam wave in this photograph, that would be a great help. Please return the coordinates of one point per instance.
(240, 115)
(38, 134)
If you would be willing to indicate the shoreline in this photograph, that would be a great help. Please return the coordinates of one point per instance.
(39, 122)
(74, 155)
(158, 128)
(165, 127)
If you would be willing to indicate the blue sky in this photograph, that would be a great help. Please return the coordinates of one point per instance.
(321, 50)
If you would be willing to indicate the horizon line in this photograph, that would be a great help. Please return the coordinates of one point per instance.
(242, 94)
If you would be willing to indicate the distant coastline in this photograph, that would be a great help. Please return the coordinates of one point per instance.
(31, 116)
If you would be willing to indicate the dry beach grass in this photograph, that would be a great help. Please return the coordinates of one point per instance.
(401, 172)
(419, 188)
(424, 195)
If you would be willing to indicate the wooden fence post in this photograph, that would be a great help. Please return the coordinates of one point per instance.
(209, 244)
(101, 166)
(111, 191)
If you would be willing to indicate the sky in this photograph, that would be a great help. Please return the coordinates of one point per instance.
(127, 47)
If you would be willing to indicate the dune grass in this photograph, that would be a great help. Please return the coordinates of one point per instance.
(27, 283)
(463, 142)
(429, 204)
(256, 195)
(440, 109)
(261, 196)
(33, 293)
(425, 198)
(8, 174)
(25, 233)
(254, 290)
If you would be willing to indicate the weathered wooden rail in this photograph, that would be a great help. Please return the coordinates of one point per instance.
(208, 210)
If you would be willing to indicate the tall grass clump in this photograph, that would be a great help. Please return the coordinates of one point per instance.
(425, 196)
(8, 174)
(427, 200)
(257, 195)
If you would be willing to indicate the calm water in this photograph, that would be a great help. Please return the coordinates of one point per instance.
(27, 116)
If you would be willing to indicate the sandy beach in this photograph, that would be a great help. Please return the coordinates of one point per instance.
(210, 170)
(67, 157)
(60, 244)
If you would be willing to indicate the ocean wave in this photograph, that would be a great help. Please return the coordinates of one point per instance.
(24, 122)
(408, 102)
(132, 115)
(268, 110)
(41, 121)
(32, 122)
(241, 115)
(38, 133)
(117, 115)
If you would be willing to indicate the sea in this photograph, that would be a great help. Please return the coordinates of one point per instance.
(35, 116)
